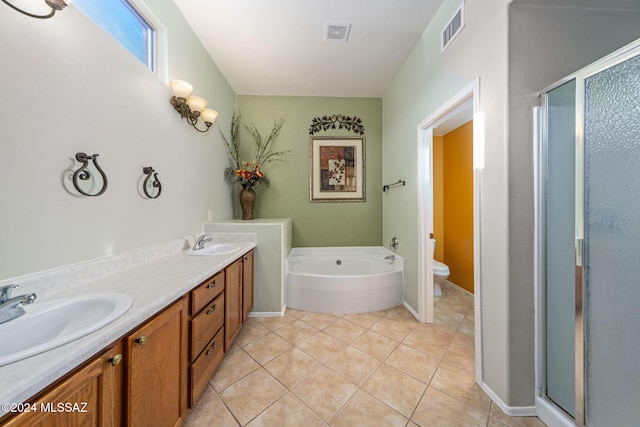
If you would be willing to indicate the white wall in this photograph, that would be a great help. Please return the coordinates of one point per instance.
(69, 87)
(427, 81)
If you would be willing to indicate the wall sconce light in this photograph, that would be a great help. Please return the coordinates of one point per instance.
(189, 106)
(55, 5)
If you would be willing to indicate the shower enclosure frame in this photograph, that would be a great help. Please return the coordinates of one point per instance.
(546, 409)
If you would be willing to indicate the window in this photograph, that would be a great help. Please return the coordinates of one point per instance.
(123, 22)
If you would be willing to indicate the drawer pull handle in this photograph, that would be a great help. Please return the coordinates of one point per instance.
(115, 360)
(212, 284)
(142, 340)
(211, 349)
(212, 309)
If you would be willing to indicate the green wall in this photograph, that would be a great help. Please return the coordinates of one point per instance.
(315, 224)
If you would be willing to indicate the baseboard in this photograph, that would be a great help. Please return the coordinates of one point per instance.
(512, 411)
(268, 313)
(411, 310)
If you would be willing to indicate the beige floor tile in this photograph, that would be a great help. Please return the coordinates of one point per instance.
(444, 318)
(461, 385)
(430, 339)
(375, 344)
(320, 320)
(395, 388)
(344, 330)
(461, 352)
(397, 331)
(263, 389)
(289, 411)
(324, 391)
(235, 365)
(267, 348)
(296, 332)
(291, 367)
(413, 362)
(401, 314)
(504, 419)
(365, 410)
(353, 364)
(455, 305)
(295, 313)
(211, 413)
(321, 346)
(276, 322)
(438, 409)
(366, 320)
(251, 331)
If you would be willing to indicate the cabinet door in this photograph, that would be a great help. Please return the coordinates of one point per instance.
(157, 369)
(233, 303)
(91, 396)
(247, 285)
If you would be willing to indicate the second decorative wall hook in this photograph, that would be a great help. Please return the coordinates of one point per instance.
(151, 186)
(85, 181)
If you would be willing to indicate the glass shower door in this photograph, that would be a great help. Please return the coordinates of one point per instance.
(559, 296)
(612, 245)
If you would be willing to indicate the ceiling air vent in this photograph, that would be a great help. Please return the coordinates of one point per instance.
(452, 29)
(337, 31)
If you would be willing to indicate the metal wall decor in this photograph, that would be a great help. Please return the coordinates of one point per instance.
(151, 186)
(353, 124)
(87, 182)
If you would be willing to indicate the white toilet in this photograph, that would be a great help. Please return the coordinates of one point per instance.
(440, 273)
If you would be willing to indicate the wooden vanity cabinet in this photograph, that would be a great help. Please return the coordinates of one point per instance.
(247, 284)
(94, 392)
(157, 369)
(149, 377)
(206, 333)
(233, 303)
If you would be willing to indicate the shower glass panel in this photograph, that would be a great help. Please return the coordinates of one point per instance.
(559, 236)
(612, 245)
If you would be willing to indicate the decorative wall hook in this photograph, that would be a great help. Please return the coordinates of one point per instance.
(151, 188)
(386, 187)
(82, 177)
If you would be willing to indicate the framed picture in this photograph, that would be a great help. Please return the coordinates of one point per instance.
(337, 169)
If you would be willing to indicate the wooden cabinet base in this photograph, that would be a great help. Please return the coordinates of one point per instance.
(92, 396)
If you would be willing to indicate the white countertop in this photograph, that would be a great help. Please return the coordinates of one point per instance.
(152, 286)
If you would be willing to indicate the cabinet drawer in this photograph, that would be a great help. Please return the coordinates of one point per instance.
(206, 292)
(204, 367)
(205, 325)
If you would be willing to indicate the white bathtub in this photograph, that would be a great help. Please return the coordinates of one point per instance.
(344, 280)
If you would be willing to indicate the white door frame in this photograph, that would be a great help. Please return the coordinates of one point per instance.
(471, 93)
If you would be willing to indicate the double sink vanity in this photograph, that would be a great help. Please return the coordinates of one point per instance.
(135, 344)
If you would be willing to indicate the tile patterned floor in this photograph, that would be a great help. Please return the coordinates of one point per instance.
(373, 369)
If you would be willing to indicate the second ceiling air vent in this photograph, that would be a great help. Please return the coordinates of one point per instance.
(337, 31)
(452, 29)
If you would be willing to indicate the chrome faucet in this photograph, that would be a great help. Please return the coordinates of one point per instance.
(10, 308)
(201, 240)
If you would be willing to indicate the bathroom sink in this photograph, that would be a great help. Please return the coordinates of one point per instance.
(49, 324)
(218, 249)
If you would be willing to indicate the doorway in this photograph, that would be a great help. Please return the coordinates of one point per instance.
(455, 112)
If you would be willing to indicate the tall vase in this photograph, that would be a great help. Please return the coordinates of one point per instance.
(247, 202)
